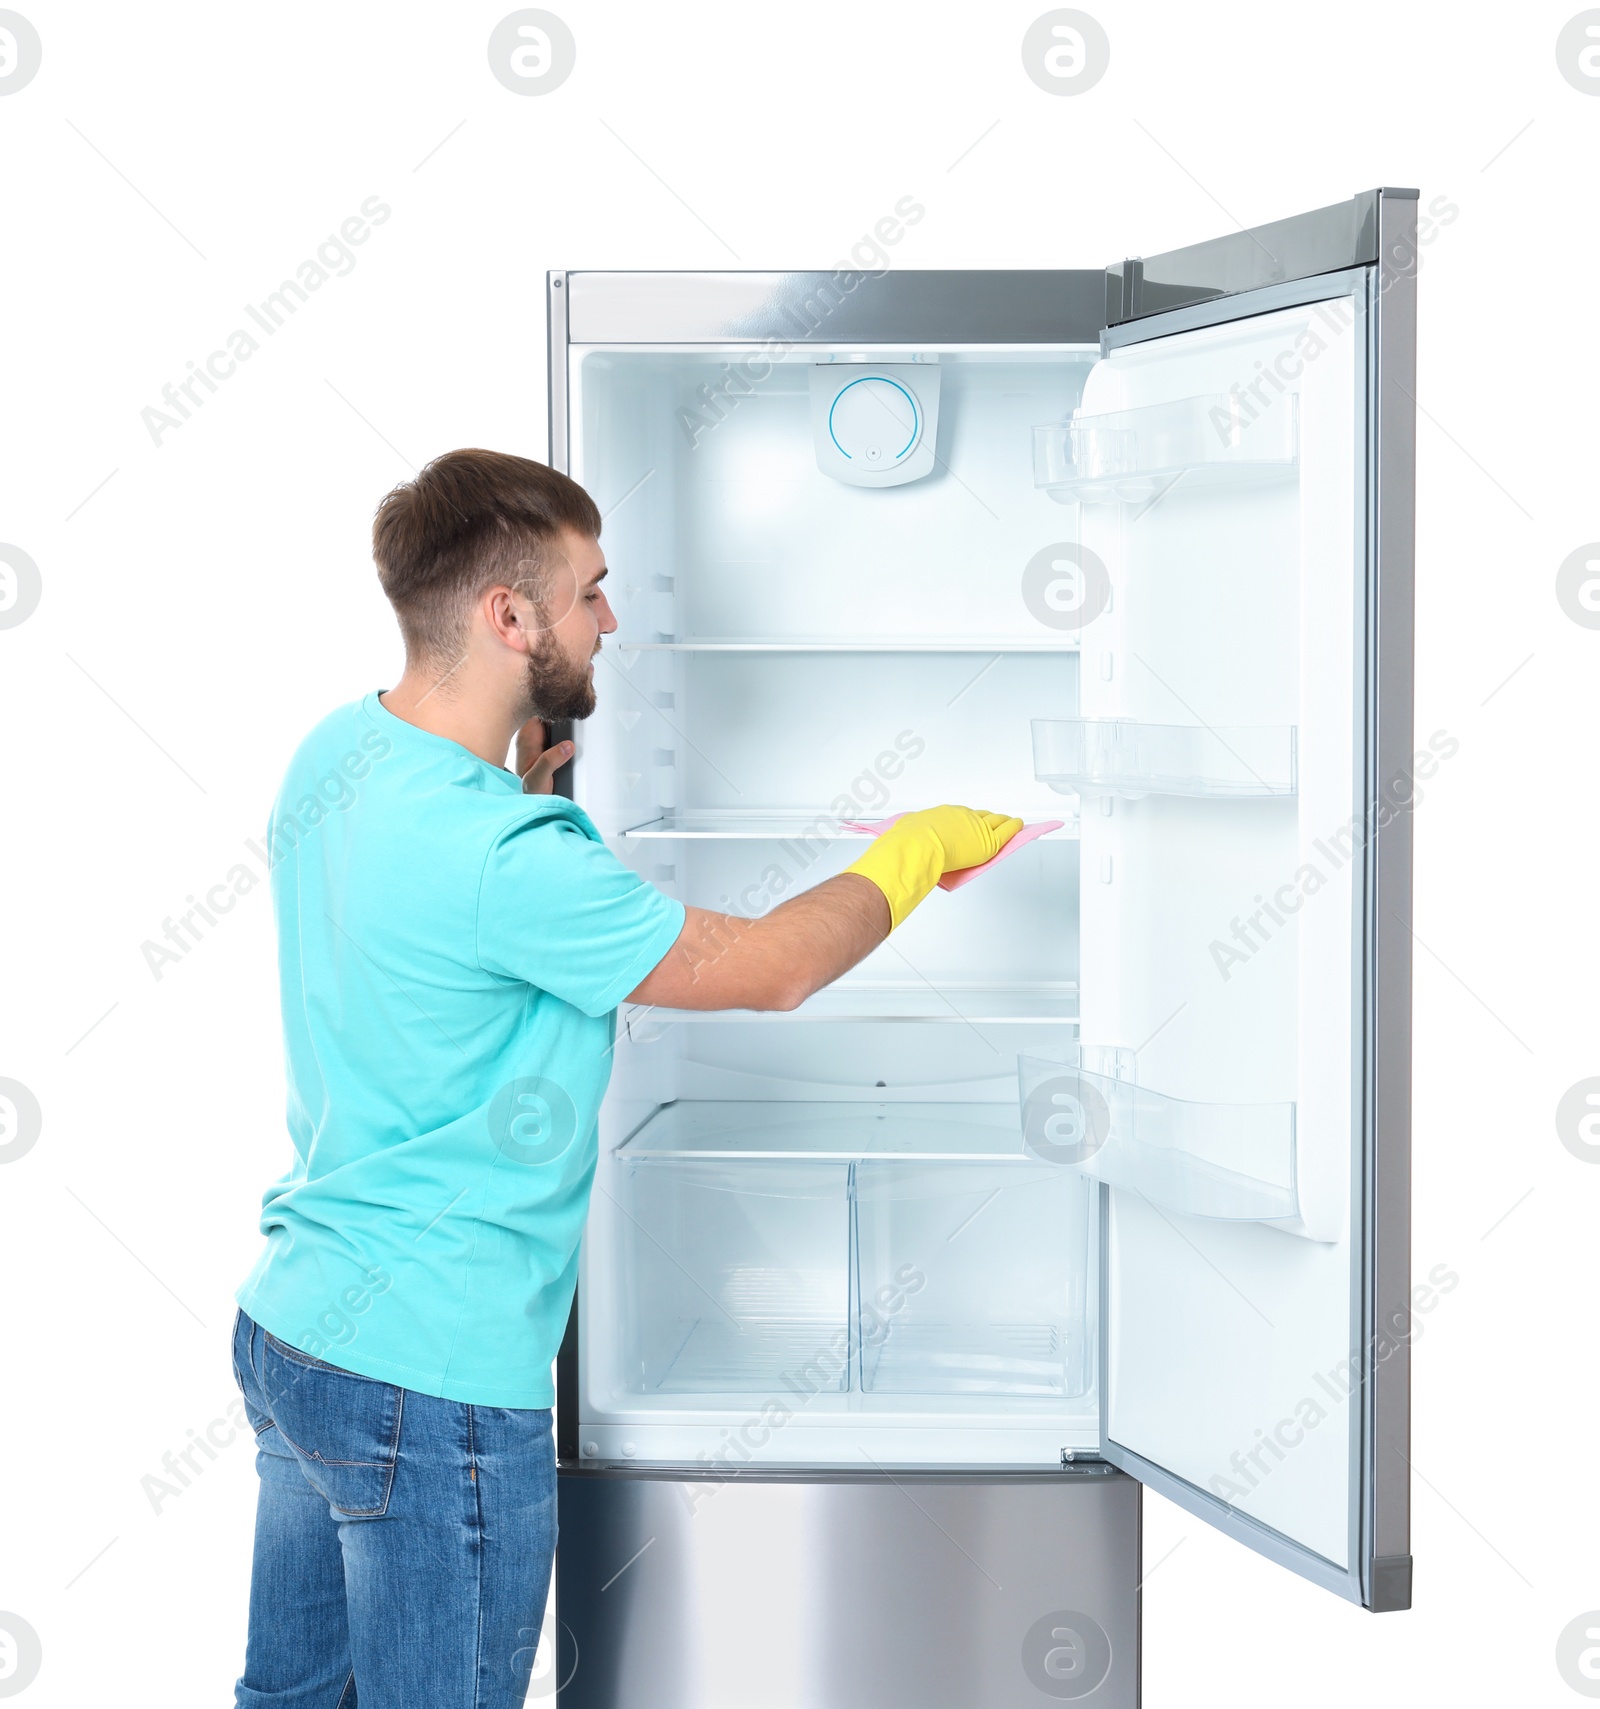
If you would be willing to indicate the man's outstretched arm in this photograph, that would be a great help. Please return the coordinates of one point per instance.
(721, 961)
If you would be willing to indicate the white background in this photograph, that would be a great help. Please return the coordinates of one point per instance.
(214, 597)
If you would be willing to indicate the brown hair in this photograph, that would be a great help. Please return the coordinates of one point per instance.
(469, 520)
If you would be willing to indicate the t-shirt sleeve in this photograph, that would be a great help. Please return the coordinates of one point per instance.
(559, 910)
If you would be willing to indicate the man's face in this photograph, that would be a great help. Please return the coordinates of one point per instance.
(572, 617)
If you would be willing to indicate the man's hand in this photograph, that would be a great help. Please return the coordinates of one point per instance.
(537, 763)
(920, 848)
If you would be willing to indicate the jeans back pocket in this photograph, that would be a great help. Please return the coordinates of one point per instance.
(344, 1429)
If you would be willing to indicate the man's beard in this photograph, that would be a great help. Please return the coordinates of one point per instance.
(558, 688)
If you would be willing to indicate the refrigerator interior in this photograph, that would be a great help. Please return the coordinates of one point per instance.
(818, 1237)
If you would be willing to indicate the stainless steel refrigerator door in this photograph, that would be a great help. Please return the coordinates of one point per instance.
(872, 1590)
(1257, 1373)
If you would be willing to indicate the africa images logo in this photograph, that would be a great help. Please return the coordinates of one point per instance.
(1065, 1119)
(21, 1120)
(532, 1121)
(1066, 1654)
(20, 587)
(20, 1654)
(532, 52)
(21, 54)
(1065, 586)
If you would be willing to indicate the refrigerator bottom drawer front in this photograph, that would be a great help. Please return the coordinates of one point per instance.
(847, 1591)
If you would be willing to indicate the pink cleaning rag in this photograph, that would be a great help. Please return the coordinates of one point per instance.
(954, 880)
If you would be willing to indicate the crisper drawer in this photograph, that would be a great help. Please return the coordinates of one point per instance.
(972, 1277)
(833, 1247)
(737, 1273)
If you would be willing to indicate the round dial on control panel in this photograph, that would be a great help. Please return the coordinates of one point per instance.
(875, 422)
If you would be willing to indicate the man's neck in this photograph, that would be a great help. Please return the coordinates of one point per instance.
(478, 722)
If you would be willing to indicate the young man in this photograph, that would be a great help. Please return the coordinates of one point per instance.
(453, 944)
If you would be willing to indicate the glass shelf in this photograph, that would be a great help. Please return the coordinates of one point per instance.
(989, 1005)
(1120, 756)
(767, 824)
(758, 824)
(705, 1129)
(1228, 1162)
(1130, 456)
(883, 644)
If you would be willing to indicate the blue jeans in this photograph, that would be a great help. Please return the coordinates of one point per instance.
(403, 1543)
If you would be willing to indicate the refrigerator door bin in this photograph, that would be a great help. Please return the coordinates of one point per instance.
(1124, 757)
(1130, 455)
(1228, 1162)
(971, 1278)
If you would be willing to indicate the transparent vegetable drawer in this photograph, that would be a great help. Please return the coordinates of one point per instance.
(736, 1282)
(823, 1247)
(972, 1276)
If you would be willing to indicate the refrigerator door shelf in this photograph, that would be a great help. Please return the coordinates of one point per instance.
(1123, 757)
(1226, 1162)
(1130, 456)
(987, 1005)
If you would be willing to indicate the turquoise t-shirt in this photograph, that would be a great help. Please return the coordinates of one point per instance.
(451, 955)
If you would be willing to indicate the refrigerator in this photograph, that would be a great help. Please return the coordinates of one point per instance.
(1095, 1175)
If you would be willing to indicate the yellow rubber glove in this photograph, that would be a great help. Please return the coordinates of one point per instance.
(909, 859)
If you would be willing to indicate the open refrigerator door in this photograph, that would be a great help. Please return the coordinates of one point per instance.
(1242, 753)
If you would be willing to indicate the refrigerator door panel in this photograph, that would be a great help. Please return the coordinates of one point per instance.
(1245, 760)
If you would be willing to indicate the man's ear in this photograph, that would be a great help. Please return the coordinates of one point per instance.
(510, 617)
